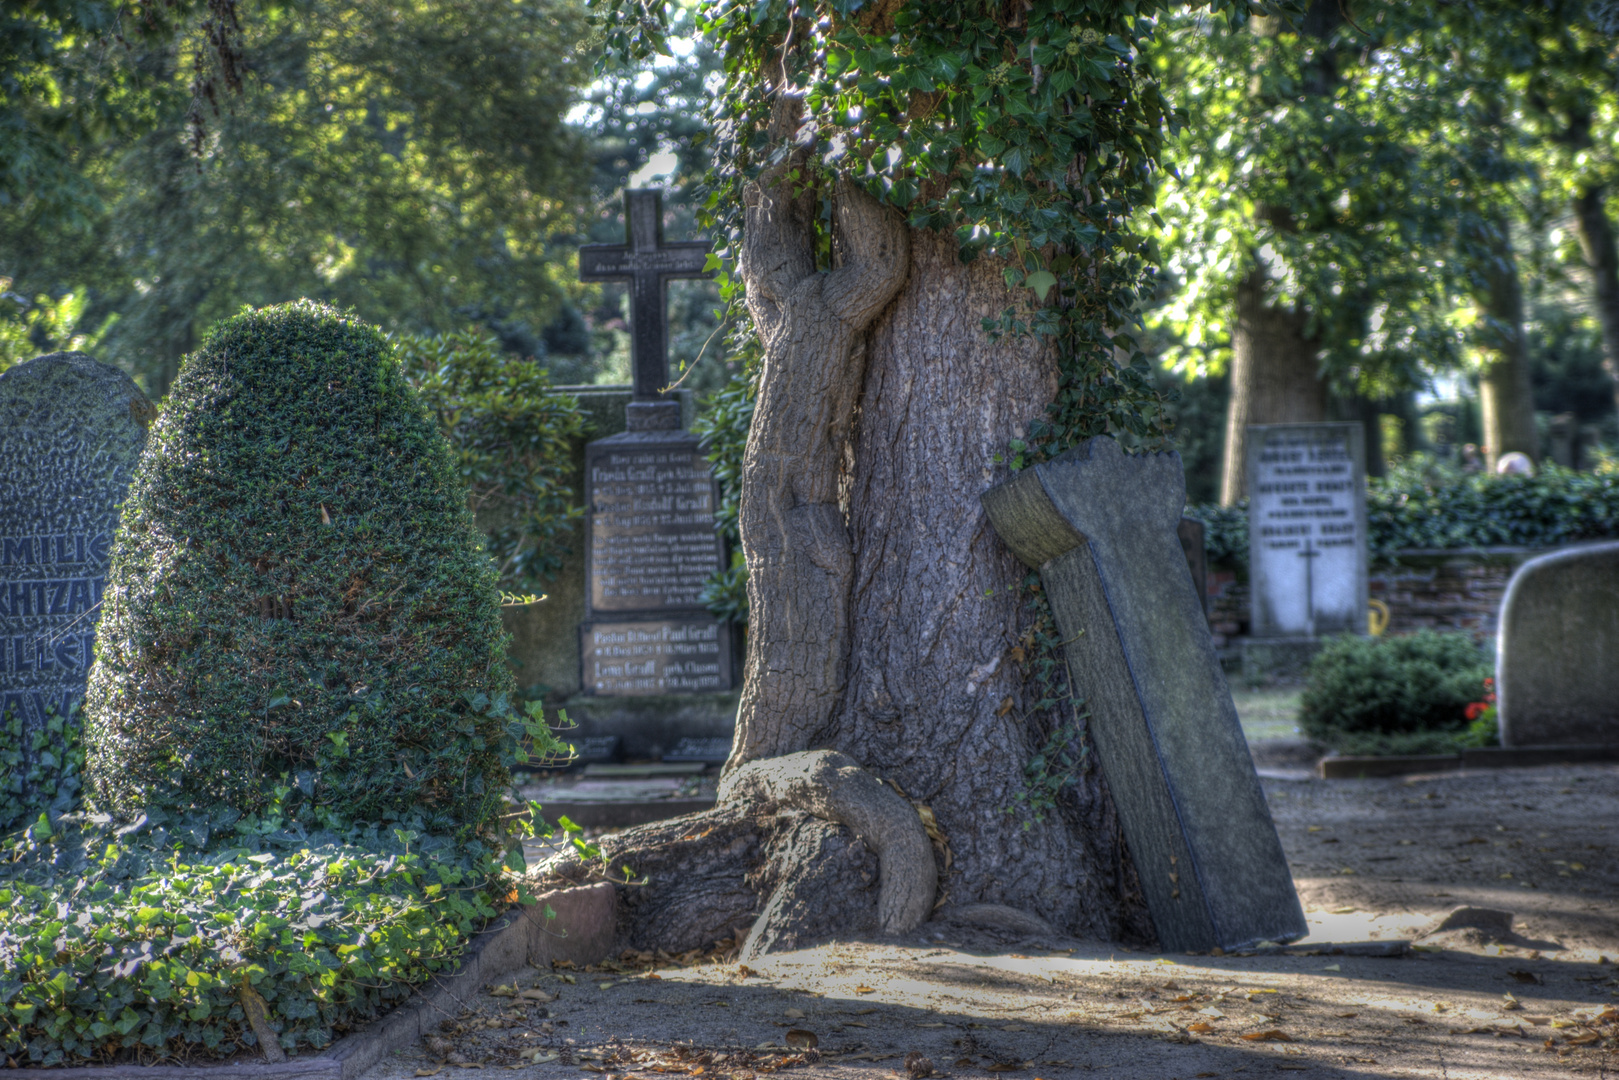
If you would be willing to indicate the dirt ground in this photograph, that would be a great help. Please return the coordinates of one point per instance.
(1374, 860)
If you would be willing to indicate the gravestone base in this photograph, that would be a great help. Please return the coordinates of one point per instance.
(653, 725)
(1271, 660)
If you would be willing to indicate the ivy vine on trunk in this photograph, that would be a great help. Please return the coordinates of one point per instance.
(925, 211)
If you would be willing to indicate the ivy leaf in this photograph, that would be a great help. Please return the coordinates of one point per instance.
(1041, 281)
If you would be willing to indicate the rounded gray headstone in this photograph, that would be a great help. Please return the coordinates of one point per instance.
(71, 431)
(1557, 653)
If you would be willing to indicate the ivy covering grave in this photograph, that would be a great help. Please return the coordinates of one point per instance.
(299, 726)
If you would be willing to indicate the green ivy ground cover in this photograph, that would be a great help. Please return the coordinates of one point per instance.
(1412, 510)
(140, 942)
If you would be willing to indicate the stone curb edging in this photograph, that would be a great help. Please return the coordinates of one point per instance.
(1491, 757)
(584, 931)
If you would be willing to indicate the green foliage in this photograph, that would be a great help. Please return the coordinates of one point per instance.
(512, 438)
(1225, 532)
(1057, 712)
(1029, 137)
(1556, 506)
(44, 776)
(1399, 695)
(1422, 504)
(408, 159)
(136, 942)
(1308, 159)
(298, 591)
(46, 325)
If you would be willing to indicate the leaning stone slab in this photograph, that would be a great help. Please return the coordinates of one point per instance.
(71, 431)
(1101, 528)
(1557, 651)
(576, 924)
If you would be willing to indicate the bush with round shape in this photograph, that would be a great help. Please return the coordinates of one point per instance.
(299, 616)
(1397, 695)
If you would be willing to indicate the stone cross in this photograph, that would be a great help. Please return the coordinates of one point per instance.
(1100, 526)
(647, 263)
(71, 431)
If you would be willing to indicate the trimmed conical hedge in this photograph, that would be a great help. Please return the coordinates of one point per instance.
(299, 615)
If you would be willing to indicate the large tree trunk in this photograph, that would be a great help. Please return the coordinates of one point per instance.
(1602, 256)
(886, 721)
(1275, 377)
(1505, 394)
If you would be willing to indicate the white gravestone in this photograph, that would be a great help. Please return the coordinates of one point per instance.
(1307, 529)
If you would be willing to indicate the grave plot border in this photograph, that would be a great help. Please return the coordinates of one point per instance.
(584, 931)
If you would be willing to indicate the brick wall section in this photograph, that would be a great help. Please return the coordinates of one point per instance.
(1425, 590)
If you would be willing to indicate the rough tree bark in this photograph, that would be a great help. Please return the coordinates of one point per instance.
(885, 724)
(1506, 397)
(1602, 257)
(1275, 377)
(1275, 366)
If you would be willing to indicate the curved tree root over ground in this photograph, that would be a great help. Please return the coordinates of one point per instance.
(802, 848)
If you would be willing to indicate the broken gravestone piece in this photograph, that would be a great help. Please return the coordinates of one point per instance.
(1101, 528)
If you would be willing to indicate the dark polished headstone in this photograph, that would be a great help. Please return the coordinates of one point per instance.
(71, 431)
(650, 499)
(650, 657)
(1101, 528)
(708, 751)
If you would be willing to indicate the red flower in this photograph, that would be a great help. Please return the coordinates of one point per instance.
(1476, 710)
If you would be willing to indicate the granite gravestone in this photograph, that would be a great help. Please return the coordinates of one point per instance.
(650, 498)
(1306, 540)
(1101, 528)
(71, 431)
(1557, 650)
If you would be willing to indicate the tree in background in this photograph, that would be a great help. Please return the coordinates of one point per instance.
(411, 161)
(1569, 77)
(1302, 229)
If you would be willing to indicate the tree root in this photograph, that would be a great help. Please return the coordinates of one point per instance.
(800, 849)
(834, 788)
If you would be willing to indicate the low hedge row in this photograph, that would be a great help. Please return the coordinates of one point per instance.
(1557, 506)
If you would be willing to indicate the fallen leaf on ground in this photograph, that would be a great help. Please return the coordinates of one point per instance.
(1201, 1027)
(603, 986)
(503, 991)
(1346, 1016)
(930, 1025)
(536, 995)
(804, 1040)
(1014, 1027)
(864, 990)
(853, 1023)
(429, 1072)
(794, 1014)
(1271, 1035)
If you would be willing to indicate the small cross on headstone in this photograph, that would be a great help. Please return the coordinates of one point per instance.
(647, 263)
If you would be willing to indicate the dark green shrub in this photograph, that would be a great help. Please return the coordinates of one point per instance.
(512, 439)
(299, 611)
(1400, 695)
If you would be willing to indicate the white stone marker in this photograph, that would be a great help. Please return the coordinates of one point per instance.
(1307, 529)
